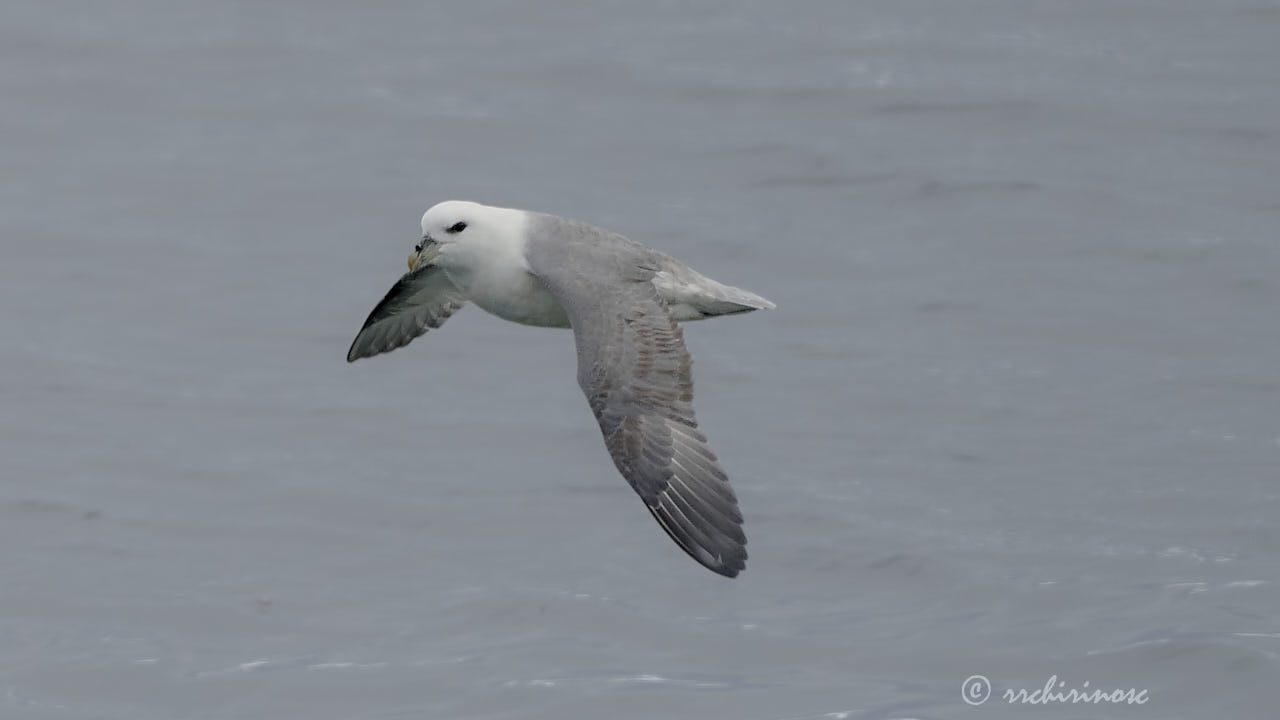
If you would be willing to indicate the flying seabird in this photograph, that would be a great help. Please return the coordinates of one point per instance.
(622, 301)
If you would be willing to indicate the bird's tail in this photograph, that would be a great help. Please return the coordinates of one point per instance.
(692, 296)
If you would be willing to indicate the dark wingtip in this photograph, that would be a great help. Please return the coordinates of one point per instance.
(728, 564)
(352, 355)
(730, 571)
(731, 559)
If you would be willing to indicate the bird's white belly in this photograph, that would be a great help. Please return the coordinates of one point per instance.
(510, 293)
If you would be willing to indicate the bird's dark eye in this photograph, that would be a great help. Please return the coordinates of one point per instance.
(456, 227)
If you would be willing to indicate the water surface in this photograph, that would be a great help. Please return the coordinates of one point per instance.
(1016, 413)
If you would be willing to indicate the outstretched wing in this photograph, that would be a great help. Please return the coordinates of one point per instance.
(423, 298)
(637, 376)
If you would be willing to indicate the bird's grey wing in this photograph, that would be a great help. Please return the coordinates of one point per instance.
(637, 376)
(423, 298)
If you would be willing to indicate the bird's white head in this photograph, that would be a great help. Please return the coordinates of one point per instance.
(456, 225)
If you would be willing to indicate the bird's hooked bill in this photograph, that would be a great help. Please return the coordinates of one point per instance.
(424, 253)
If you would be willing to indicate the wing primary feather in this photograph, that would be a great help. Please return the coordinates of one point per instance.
(420, 300)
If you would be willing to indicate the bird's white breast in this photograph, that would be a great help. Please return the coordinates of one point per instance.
(489, 268)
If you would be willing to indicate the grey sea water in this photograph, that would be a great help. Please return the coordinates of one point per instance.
(1017, 414)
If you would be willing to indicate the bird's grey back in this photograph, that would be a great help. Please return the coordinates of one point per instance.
(580, 248)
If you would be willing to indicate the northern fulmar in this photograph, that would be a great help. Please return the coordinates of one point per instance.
(623, 301)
